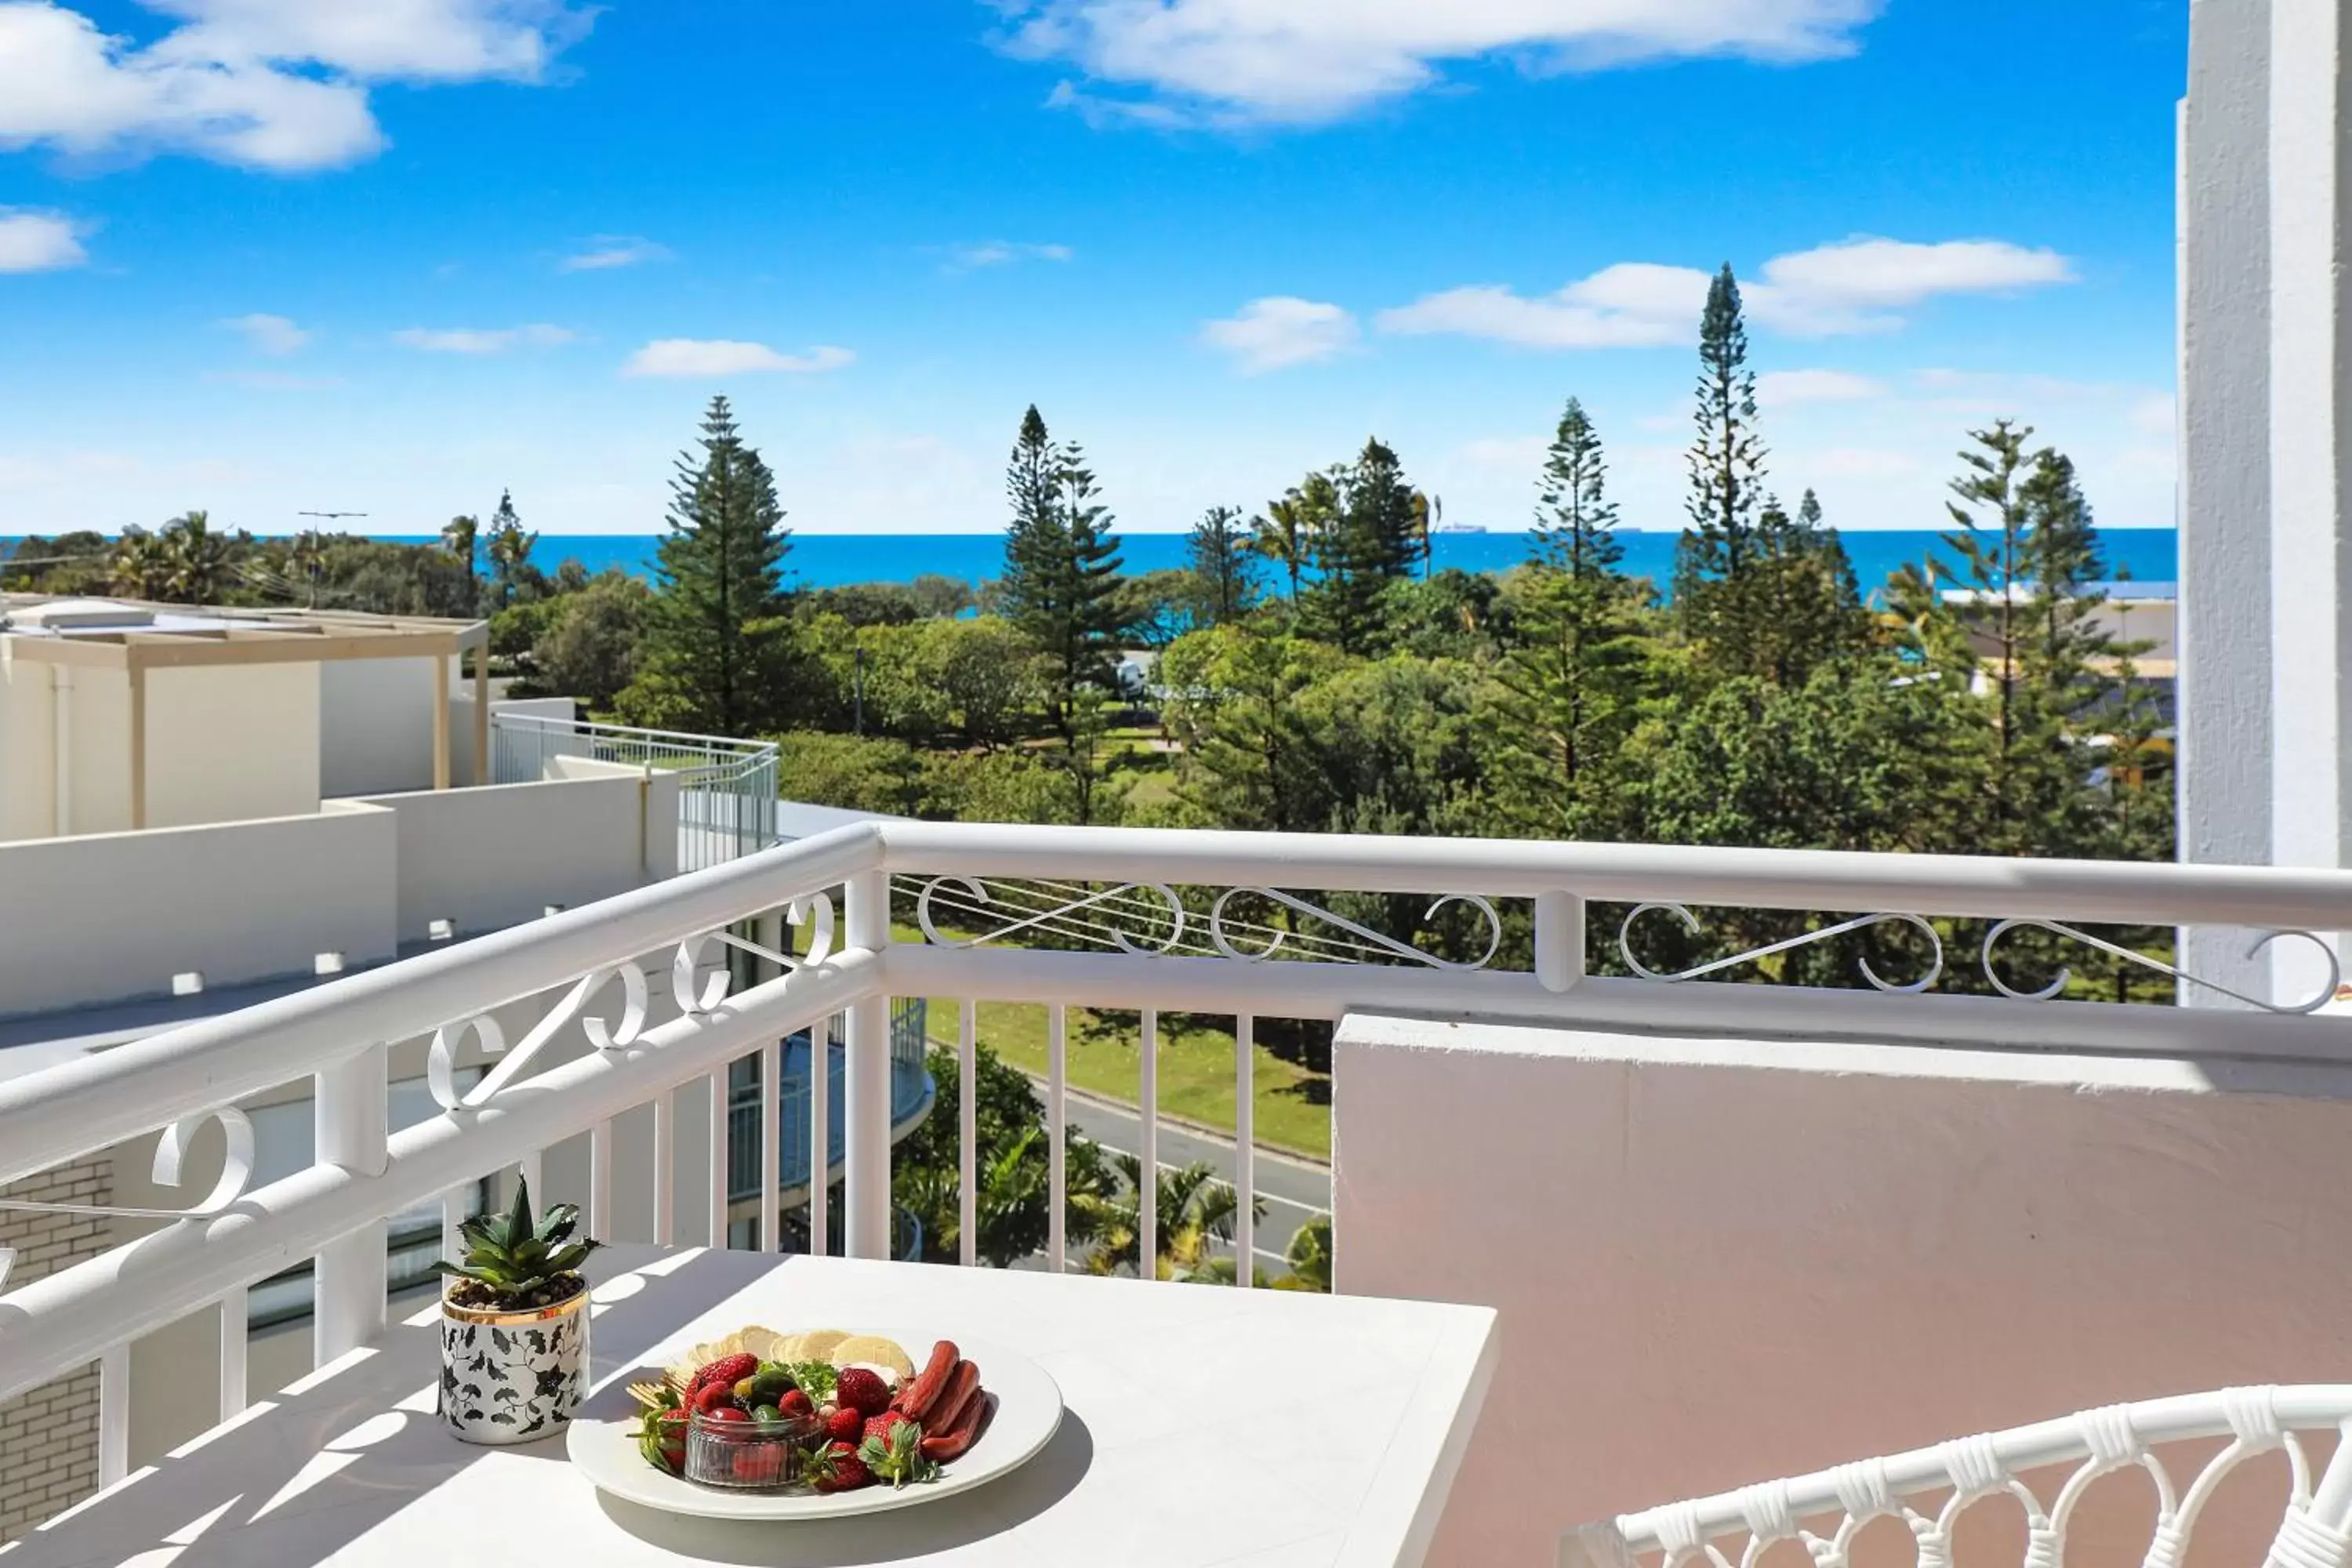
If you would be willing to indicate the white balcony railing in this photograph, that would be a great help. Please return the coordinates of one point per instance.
(1254, 926)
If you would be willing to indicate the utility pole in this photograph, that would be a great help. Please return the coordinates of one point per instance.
(314, 546)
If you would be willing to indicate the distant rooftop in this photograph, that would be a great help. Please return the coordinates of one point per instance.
(127, 633)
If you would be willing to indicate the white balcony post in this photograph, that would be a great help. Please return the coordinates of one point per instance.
(2311, 470)
(2224, 617)
(348, 1119)
(865, 1195)
(1560, 940)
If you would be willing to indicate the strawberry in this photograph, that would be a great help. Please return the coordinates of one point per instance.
(661, 1439)
(880, 1426)
(795, 1403)
(724, 1412)
(862, 1391)
(893, 1451)
(712, 1397)
(726, 1372)
(836, 1467)
(845, 1425)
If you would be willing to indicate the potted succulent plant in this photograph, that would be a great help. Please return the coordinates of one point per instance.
(514, 1324)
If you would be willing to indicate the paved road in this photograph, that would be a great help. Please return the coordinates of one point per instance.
(1294, 1191)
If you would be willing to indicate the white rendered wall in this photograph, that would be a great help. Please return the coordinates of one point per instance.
(104, 917)
(2225, 454)
(375, 726)
(228, 742)
(499, 855)
(1718, 1261)
(27, 755)
(100, 741)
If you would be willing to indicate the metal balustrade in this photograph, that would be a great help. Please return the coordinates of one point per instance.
(727, 788)
(1232, 925)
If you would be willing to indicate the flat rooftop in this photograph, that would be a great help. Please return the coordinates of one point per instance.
(136, 633)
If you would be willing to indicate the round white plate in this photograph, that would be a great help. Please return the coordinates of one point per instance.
(1028, 1413)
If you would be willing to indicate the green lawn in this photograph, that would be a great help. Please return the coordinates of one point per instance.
(1196, 1068)
(1150, 773)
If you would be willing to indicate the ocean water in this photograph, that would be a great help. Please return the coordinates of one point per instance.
(2145, 555)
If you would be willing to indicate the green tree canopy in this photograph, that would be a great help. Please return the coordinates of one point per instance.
(717, 654)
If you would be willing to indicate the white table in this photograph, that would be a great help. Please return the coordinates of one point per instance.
(1205, 1425)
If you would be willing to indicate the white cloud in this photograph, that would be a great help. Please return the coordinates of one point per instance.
(1271, 333)
(480, 340)
(1782, 388)
(1633, 304)
(707, 357)
(606, 251)
(38, 242)
(268, 334)
(273, 84)
(1306, 61)
(1002, 253)
(1854, 286)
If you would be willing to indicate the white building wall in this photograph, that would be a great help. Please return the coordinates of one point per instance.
(27, 753)
(100, 917)
(227, 743)
(499, 855)
(2225, 480)
(100, 742)
(375, 726)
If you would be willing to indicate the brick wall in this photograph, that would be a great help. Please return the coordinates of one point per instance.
(48, 1437)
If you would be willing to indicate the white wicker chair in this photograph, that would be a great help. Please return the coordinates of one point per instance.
(2312, 1532)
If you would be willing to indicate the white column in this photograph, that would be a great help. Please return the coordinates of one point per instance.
(2311, 559)
(866, 1151)
(2224, 627)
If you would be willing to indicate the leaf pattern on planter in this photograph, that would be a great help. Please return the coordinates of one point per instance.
(509, 1385)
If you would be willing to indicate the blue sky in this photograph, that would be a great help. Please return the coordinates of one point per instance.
(264, 256)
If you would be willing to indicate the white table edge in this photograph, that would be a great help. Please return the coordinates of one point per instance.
(1401, 1513)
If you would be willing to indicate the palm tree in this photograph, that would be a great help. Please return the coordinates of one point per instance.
(458, 536)
(140, 564)
(306, 558)
(509, 547)
(1279, 536)
(1195, 1211)
(199, 557)
(1010, 1183)
(1309, 1256)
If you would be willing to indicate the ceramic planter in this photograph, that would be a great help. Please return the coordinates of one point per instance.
(512, 1377)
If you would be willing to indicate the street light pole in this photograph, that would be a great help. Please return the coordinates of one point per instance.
(314, 546)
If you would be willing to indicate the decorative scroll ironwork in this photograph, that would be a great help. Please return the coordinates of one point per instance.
(2325, 994)
(976, 893)
(799, 912)
(1803, 938)
(1227, 946)
(171, 1158)
(694, 991)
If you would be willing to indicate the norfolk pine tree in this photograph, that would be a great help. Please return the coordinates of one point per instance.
(1714, 581)
(1060, 587)
(715, 639)
(1225, 577)
(1573, 679)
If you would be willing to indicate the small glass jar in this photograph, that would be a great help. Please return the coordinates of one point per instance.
(747, 1455)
